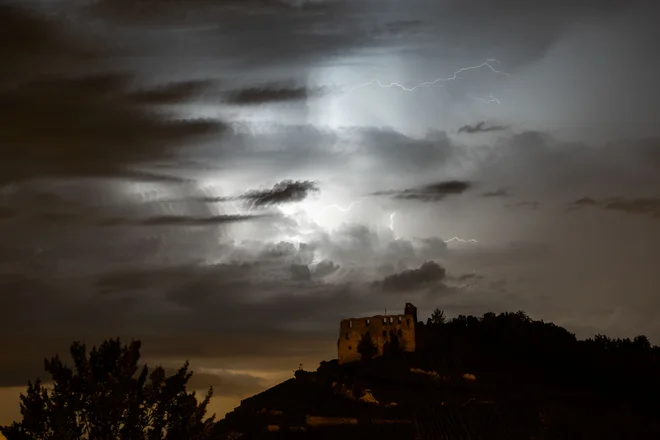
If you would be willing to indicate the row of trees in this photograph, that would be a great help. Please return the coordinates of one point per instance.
(368, 348)
(514, 345)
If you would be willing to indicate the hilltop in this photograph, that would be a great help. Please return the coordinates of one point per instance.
(500, 376)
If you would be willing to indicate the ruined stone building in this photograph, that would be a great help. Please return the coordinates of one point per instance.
(381, 328)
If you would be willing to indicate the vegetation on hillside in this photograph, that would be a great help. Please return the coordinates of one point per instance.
(512, 347)
(366, 347)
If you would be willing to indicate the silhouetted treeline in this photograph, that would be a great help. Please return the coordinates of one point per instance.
(106, 395)
(514, 349)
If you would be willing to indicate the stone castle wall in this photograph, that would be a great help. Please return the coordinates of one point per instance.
(380, 328)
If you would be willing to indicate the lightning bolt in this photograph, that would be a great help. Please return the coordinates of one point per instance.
(392, 221)
(236, 208)
(461, 240)
(487, 63)
(342, 209)
(490, 99)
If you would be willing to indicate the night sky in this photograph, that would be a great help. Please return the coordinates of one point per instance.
(226, 179)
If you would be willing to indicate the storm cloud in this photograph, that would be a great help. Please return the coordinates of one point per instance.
(429, 193)
(410, 279)
(282, 192)
(480, 127)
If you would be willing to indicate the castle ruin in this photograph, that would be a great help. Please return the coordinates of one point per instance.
(381, 329)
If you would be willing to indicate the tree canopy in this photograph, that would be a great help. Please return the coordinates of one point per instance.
(513, 348)
(107, 396)
(437, 317)
(366, 347)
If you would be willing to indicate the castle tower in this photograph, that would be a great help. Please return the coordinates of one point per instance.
(411, 310)
(380, 328)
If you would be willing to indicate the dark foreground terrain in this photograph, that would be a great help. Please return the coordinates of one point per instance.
(493, 377)
(384, 401)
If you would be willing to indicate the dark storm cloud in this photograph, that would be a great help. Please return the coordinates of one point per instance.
(324, 268)
(172, 93)
(259, 295)
(142, 10)
(292, 150)
(257, 300)
(430, 193)
(68, 205)
(85, 127)
(480, 127)
(501, 192)
(637, 206)
(544, 164)
(300, 272)
(79, 124)
(251, 34)
(286, 191)
(72, 218)
(484, 27)
(271, 93)
(427, 274)
(38, 45)
(582, 202)
(585, 201)
(404, 153)
(183, 220)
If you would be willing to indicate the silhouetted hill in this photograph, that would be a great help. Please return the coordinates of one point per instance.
(494, 377)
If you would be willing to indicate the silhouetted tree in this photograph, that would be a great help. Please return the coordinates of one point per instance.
(366, 347)
(103, 397)
(392, 347)
(438, 317)
(642, 342)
